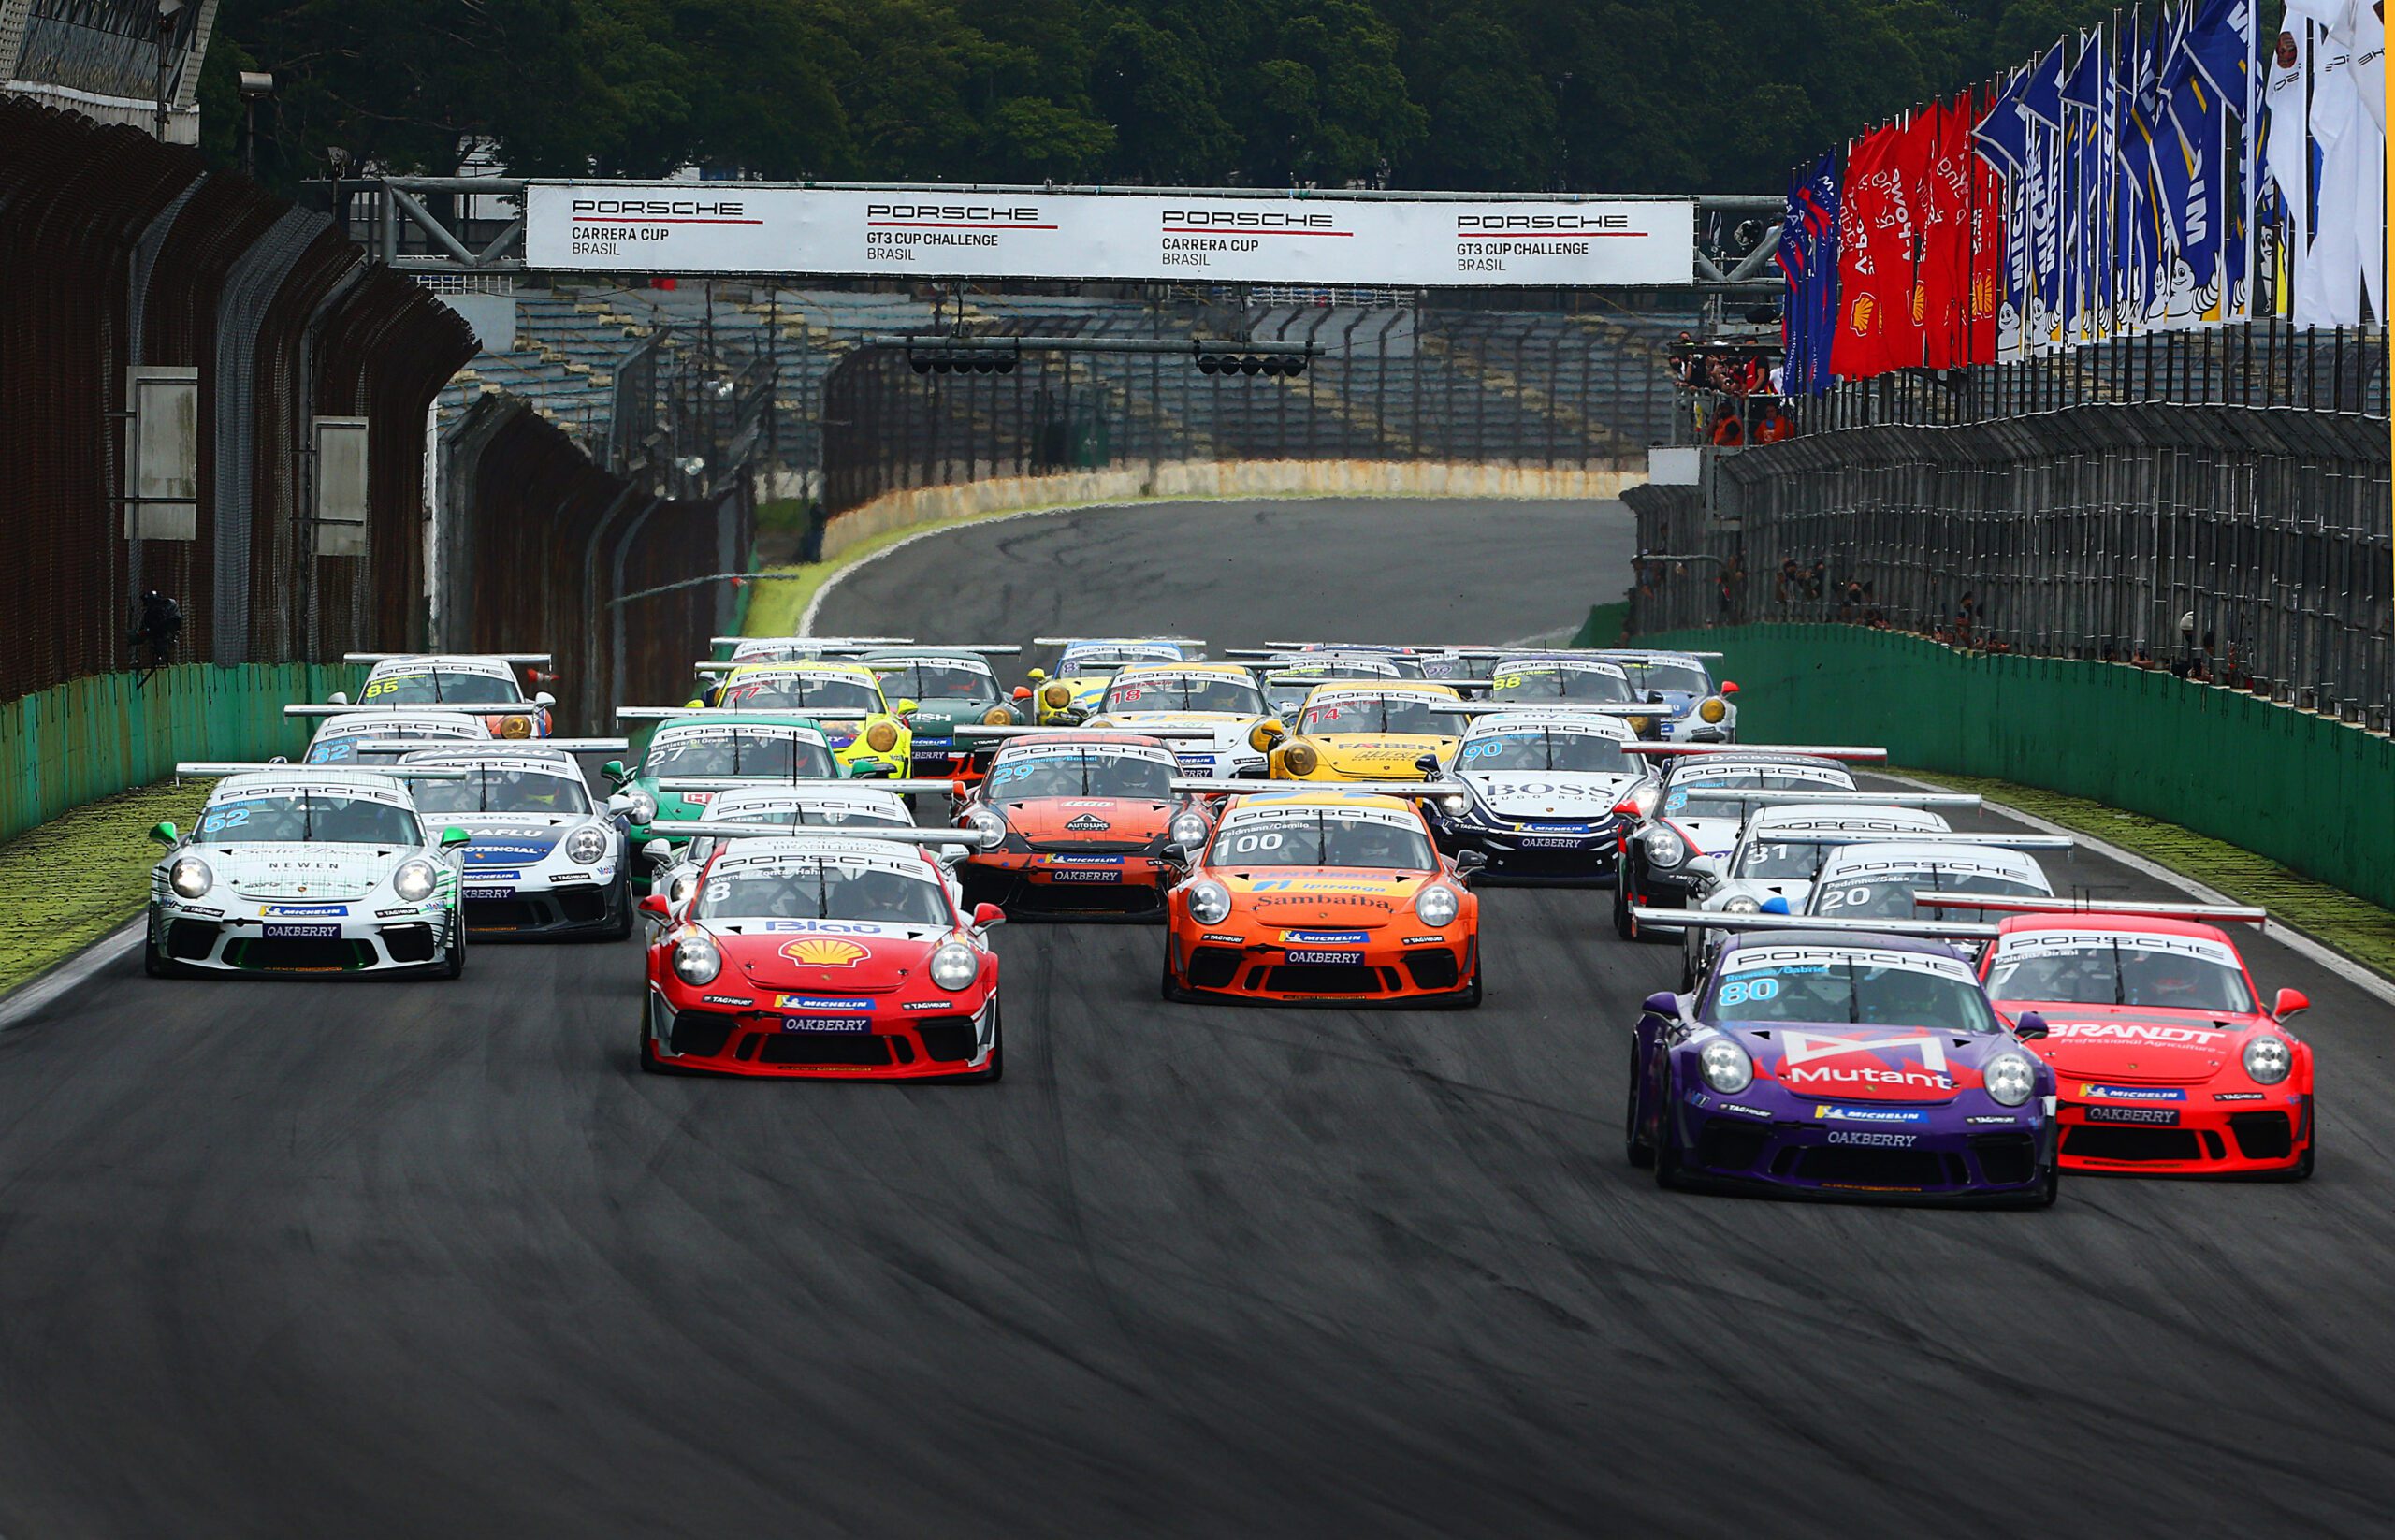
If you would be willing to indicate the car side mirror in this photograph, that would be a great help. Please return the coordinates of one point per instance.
(657, 851)
(1174, 855)
(2290, 1002)
(986, 915)
(1428, 764)
(614, 770)
(1626, 807)
(339, 697)
(1664, 1004)
(905, 709)
(453, 838)
(1729, 686)
(2031, 1025)
(1704, 867)
(1022, 692)
(166, 834)
(655, 904)
(1037, 675)
(544, 698)
(1470, 862)
(871, 770)
(1266, 733)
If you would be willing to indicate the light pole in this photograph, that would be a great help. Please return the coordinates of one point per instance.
(165, 34)
(256, 86)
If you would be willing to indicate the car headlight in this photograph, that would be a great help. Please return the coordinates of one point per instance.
(954, 966)
(1436, 905)
(1455, 803)
(1713, 709)
(2011, 1077)
(190, 876)
(414, 880)
(2268, 1060)
(881, 737)
(1664, 848)
(696, 961)
(643, 806)
(586, 846)
(1190, 829)
(1727, 1069)
(1299, 758)
(516, 727)
(1057, 697)
(678, 893)
(989, 824)
(1742, 905)
(997, 715)
(1210, 903)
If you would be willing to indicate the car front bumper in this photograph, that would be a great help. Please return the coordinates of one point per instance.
(2262, 1131)
(953, 1034)
(255, 937)
(1970, 1151)
(1382, 969)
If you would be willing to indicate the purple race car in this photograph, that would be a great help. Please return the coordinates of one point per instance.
(1823, 1058)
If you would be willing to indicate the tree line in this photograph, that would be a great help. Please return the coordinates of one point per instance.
(1601, 96)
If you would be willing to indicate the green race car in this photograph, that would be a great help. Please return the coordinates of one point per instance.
(761, 746)
(952, 688)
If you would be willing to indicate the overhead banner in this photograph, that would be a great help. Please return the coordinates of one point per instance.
(757, 227)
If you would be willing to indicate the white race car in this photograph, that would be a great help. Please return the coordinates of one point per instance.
(1219, 701)
(1544, 785)
(545, 860)
(302, 869)
(369, 738)
(425, 678)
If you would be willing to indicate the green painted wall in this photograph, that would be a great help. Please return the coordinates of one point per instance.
(2312, 794)
(94, 737)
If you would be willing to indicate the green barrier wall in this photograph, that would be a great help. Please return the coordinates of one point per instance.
(93, 738)
(2312, 794)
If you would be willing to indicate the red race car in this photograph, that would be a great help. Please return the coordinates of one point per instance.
(2165, 1060)
(1076, 823)
(821, 956)
(1335, 897)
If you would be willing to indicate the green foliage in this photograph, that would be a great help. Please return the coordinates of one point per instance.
(1626, 96)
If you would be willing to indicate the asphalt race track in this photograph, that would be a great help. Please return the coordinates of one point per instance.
(422, 1259)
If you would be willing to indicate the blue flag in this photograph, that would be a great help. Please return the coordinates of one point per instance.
(2003, 135)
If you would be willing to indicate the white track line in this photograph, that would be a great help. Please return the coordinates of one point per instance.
(2279, 931)
(68, 974)
(815, 606)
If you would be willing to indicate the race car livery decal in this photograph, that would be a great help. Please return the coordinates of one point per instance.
(2131, 1093)
(824, 951)
(2049, 943)
(2134, 1032)
(1249, 815)
(1016, 759)
(1748, 959)
(674, 741)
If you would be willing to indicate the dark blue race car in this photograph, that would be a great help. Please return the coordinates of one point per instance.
(1841, 1063)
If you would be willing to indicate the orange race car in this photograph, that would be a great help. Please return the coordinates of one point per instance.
(1323, 897)
(1078, 821)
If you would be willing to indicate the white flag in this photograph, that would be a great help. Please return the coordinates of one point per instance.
(2370, 64)
(2341, 129)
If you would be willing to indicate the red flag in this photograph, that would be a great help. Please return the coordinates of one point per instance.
(1916, 157)
(1946, 239)
(1987, 246)
(1874, 259)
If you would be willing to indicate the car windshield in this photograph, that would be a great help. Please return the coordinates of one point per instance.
(803, 692)
(435, 685)
(1076, 663)
(812, 815)
(740, 752)
(491, 789)
(823, 891)
(1479, 667)
(337, 748)
(1764, 856)
(912, 681)
(1091, 772)
(1288, 690)
(319, 817)
(1222, 693)
(1540, 749)
(1888, 895)
(1556, 682)
(1391, 713)
(1322, 838)
(1827, 988)
(1683, 677)
(2089, 971)
(1683, 800)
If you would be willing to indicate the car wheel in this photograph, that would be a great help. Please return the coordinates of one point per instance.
(1468, 997)
(996, 1069)
(625, 913)
(1633, 1137)
(2302, 1170)
(1623, 925)
(153, 963)
(1667, 1150)
(1169, 988)
(453, 965)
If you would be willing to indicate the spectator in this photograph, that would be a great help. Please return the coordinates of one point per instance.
(1791, 581)
(1773, 427)
(1816, 579)
(1779, 380)
(1727, 431)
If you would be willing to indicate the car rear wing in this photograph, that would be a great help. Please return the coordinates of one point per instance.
(1708, 920)
(1420, 789)
(667, 713)
(489, 747)
(994, 734)
(455, 708)
(767, 783)
(2243, 914)
(979, 839)
(1633, 654)
(1500, 708)
(1859, 797)
(1157, 641)
(1796, 750)
(814, 641)
(204, 768)
(538, 660)
(1926, 836)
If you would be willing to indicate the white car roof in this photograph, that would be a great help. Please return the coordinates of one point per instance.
(383, 724)
(454, 662)
(736, 803)
(1562, 720)
(1823, 816)
(1896, 856)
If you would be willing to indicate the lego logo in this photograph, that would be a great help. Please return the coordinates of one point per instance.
(818, 953)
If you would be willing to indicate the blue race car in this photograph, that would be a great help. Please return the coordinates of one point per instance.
(1827, 1059)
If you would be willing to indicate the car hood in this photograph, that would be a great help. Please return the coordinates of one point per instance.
(502, 839)
(1837, 1061)
(295, 870)
(1544, 793)
(1350, 898)
(942, 716)
(2135, 1043)
(823, 957)
(1380, 756)
(1109, 821)
(1228, 730)
(1714, 836)
(1796, 890)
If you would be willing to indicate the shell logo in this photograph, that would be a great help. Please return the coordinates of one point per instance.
(1860, 318)
(815, 951)
(1919, 304)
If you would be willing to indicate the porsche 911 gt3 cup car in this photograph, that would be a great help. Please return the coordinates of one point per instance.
(1766, 866)
(1841, 1058)
(1213, 713)
(1694, 709)
(1542, 790)
(951, 688)
(1290, 681)
(1559, 680)
(307, 869)
(1079, 823)
(438, 678)
(843, 699)
(2166, 1062)
(1379, 730)
(380, 736)
(831, 805)
(1068, 694)
(761, 745)
(789, 650)
(822, 956)
(543, 860)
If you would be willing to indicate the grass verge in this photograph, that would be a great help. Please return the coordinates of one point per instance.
(78, 877)
(2332, 916)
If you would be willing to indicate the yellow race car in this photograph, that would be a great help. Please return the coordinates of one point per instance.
(1370, 730)
(862, 726)
(1088, 663)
